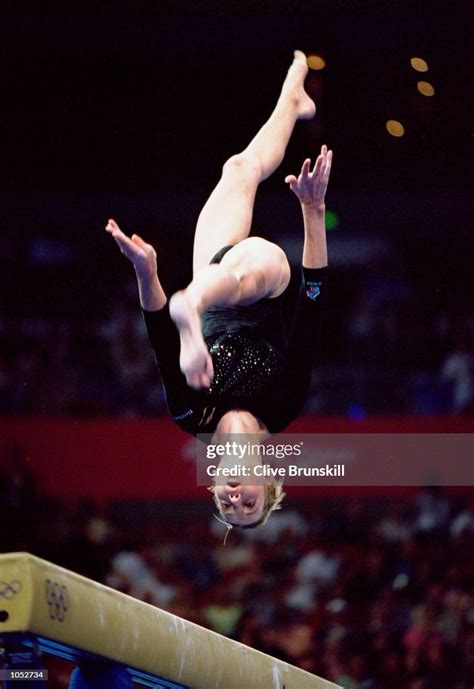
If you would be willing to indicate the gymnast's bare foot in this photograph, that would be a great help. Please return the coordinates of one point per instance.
(194, 359)
(293, 86)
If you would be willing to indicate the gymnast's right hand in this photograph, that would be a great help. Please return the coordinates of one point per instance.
(141, 254)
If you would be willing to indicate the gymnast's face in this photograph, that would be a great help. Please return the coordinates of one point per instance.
(241, 504)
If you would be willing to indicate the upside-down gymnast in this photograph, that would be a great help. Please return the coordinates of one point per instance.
(228, 362)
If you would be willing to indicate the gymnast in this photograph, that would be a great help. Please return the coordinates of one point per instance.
(228, 362)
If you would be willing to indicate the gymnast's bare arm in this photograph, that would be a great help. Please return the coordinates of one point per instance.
(143, 258)
(310, 188)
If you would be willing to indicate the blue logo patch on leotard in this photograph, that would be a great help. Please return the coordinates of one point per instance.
(189, 412)
(313, 290)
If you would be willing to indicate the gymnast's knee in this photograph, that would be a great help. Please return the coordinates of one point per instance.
(261, 267)
(271, 257)
(246, 165)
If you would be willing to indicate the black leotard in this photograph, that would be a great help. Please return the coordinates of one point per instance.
(260, 364)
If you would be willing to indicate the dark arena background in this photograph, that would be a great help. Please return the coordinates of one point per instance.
(129, 110)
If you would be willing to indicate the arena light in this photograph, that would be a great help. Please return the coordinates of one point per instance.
(425, 88)
(315, 62)
(395, 128)
(419, 64)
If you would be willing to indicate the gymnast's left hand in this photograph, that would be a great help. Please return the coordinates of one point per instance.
(310, 186)
(141, 254)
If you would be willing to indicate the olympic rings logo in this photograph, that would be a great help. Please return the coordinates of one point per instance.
(57, 600)
(9, 589)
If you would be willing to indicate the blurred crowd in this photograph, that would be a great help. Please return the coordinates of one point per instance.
(383, 351)
(371, 593)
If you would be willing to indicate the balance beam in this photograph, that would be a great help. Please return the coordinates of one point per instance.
(62, 610)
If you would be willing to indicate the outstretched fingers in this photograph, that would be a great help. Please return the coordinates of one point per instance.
(293, 181)
(327, 167)
(136, 239)
(310, 186)
(318, 164)
(322, 166)
(320, 160)
(305, 168)
(132, 248)
(113, 229)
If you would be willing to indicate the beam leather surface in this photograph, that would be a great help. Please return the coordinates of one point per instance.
(50, 601)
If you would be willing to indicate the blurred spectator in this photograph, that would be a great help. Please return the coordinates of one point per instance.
(463, 523)
(394, 528)
(131, 574)
(18, 499)
(432, 511)
(130, 357)
(458, 371)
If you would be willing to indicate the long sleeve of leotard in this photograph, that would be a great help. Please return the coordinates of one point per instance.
(164, 339)
(305, 332)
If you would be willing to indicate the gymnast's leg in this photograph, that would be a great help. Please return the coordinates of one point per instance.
(254, 268)
(227, 215)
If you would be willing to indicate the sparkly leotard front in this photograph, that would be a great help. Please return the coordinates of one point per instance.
(242, 363)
